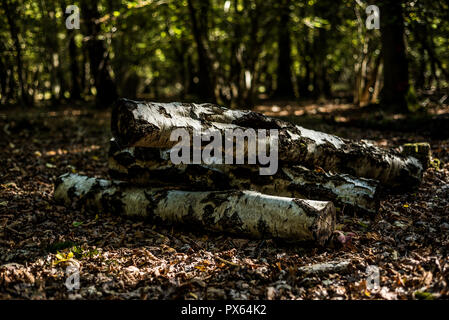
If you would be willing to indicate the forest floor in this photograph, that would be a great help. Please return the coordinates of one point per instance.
(408, 240)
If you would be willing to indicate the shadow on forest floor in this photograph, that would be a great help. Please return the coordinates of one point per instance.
(433, 123)
(123, 259)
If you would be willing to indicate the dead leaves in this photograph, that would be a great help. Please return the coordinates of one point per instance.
(122, 259)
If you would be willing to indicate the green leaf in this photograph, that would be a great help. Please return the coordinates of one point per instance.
(60, 256)
(422, 295)
(55, 247)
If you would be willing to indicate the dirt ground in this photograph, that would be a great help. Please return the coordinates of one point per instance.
(121, 259)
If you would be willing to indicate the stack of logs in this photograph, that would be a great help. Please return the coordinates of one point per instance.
(330, 171)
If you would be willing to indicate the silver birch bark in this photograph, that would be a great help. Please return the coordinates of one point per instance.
(148, 124)
(244, 213)
(151, 166)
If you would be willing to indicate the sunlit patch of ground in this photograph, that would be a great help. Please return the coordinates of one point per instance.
(283, 109)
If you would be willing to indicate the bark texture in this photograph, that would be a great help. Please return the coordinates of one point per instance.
(419, 150)
(151, 166)
(239, 212)
(147, 124)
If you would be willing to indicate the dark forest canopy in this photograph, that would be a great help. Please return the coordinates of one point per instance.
(232, 52)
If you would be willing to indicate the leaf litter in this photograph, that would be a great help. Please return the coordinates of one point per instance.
(119, 258)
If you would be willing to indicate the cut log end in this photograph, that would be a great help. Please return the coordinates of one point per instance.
(324, 222)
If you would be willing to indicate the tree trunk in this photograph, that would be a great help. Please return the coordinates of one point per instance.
(395, 69)
(207, 85)
(75, 92)
(3, 80)
(322, 38)
(144, 124)
(98, 56)
(150, 166)
(370, 82)
(245, 213)
(235, 63)
(14, 31)
(284, 87)
(321, 85)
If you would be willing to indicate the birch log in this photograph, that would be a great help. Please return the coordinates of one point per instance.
(151, 166)
(148, 124)
(245, 213)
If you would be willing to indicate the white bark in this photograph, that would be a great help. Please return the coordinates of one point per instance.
(325, 268)
(150, 166)
(147, 124)
(246, 213)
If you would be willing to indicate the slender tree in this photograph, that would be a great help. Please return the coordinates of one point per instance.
(284, 84)
(199, 29)
(395, 70)
(98, 55)
(10, 8)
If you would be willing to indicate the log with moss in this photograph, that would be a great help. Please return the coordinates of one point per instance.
(148, 124)
(151, 166)
(244, 213)
(419, 150)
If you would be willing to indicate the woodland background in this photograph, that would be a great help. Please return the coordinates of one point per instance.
(233, 52)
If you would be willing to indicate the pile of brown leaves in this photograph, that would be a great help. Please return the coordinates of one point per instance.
(122, 259)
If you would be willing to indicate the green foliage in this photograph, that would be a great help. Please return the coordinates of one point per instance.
(59, 246)
(151, 49)
(75, 252)
(422, 295)
(76, 223)
(80, 253)
(412, 100)
(435, 163)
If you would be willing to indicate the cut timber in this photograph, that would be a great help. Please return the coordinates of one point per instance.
(151, 166)
(325, 268)
(245, 213)
(148, 124)
(419, 150)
